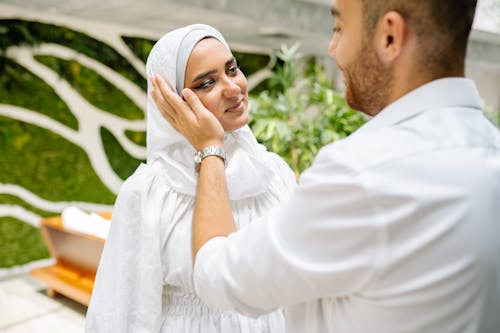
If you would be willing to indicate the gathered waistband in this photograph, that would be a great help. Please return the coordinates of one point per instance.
(184, 304)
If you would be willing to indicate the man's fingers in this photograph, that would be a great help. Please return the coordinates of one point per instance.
(205, 120)
(189, 117)
(158, 94)
(171, 120)
(172, 107)
(194, 102)
(168, 94)
(165, 109)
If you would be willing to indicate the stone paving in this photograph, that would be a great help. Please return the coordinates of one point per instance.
(25, 308)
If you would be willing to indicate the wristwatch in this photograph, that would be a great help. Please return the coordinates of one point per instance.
(208, 151)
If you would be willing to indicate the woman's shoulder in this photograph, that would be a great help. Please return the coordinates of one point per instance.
(146, 177)
(276, 162)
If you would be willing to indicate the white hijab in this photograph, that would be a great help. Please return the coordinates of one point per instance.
(247, 170)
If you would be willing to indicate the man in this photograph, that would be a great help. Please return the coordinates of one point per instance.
(394, 229)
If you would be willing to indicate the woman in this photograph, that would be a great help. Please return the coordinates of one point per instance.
(144, 281)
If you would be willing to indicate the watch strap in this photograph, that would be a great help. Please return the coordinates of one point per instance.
(209, 151)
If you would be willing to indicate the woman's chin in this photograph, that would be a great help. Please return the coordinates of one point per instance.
(236, 125)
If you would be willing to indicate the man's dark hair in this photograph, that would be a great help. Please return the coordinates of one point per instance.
(442, 27)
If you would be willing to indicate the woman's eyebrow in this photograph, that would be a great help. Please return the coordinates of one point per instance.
(203, 75)
(230, 61)
(212, 71)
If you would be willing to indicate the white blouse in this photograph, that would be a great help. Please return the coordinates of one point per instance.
(144, 282)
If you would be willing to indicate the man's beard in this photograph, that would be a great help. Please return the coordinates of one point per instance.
(368, 81)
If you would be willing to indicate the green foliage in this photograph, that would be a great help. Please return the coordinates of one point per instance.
(493, 115)
(121, 162)
(48, 165)
(139, 46)
(20, 243)
(13, 200)
(20, 32)
(93, 87)
(251, 63)
(20, 87)
(137, 137)
(302, 113)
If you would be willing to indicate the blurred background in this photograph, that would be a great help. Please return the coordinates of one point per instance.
(73, 98)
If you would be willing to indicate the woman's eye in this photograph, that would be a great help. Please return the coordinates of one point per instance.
(336, 30)
(205, 84)
(233, 69)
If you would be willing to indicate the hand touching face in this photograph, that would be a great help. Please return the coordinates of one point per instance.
(213, 75)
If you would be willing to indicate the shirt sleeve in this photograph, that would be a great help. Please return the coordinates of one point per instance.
(127, 294)
(322, 243)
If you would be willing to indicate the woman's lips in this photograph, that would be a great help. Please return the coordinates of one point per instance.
(235, 106)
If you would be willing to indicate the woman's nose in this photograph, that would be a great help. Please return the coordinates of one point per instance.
(231, 88)
(332, 47)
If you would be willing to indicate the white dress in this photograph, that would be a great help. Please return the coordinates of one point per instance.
(144, 281)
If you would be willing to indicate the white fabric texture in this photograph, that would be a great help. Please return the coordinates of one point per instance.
(393, 229)
(144, 281)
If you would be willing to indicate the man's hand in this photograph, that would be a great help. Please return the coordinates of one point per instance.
(190, 117)
(212, 214)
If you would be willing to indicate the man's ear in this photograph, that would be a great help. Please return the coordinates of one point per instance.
(390, 36)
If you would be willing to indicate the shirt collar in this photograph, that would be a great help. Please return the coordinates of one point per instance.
(446, 92)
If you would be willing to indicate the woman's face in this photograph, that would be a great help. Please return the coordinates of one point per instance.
(214, 76)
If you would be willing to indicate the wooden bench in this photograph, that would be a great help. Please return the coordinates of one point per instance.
(77, 257)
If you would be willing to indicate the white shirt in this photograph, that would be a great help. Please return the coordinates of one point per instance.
(394, 229)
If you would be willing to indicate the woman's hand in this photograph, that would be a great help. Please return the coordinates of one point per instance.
(190, 117)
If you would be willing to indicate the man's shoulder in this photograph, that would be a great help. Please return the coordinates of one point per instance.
(358, 152)
(423, 135)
